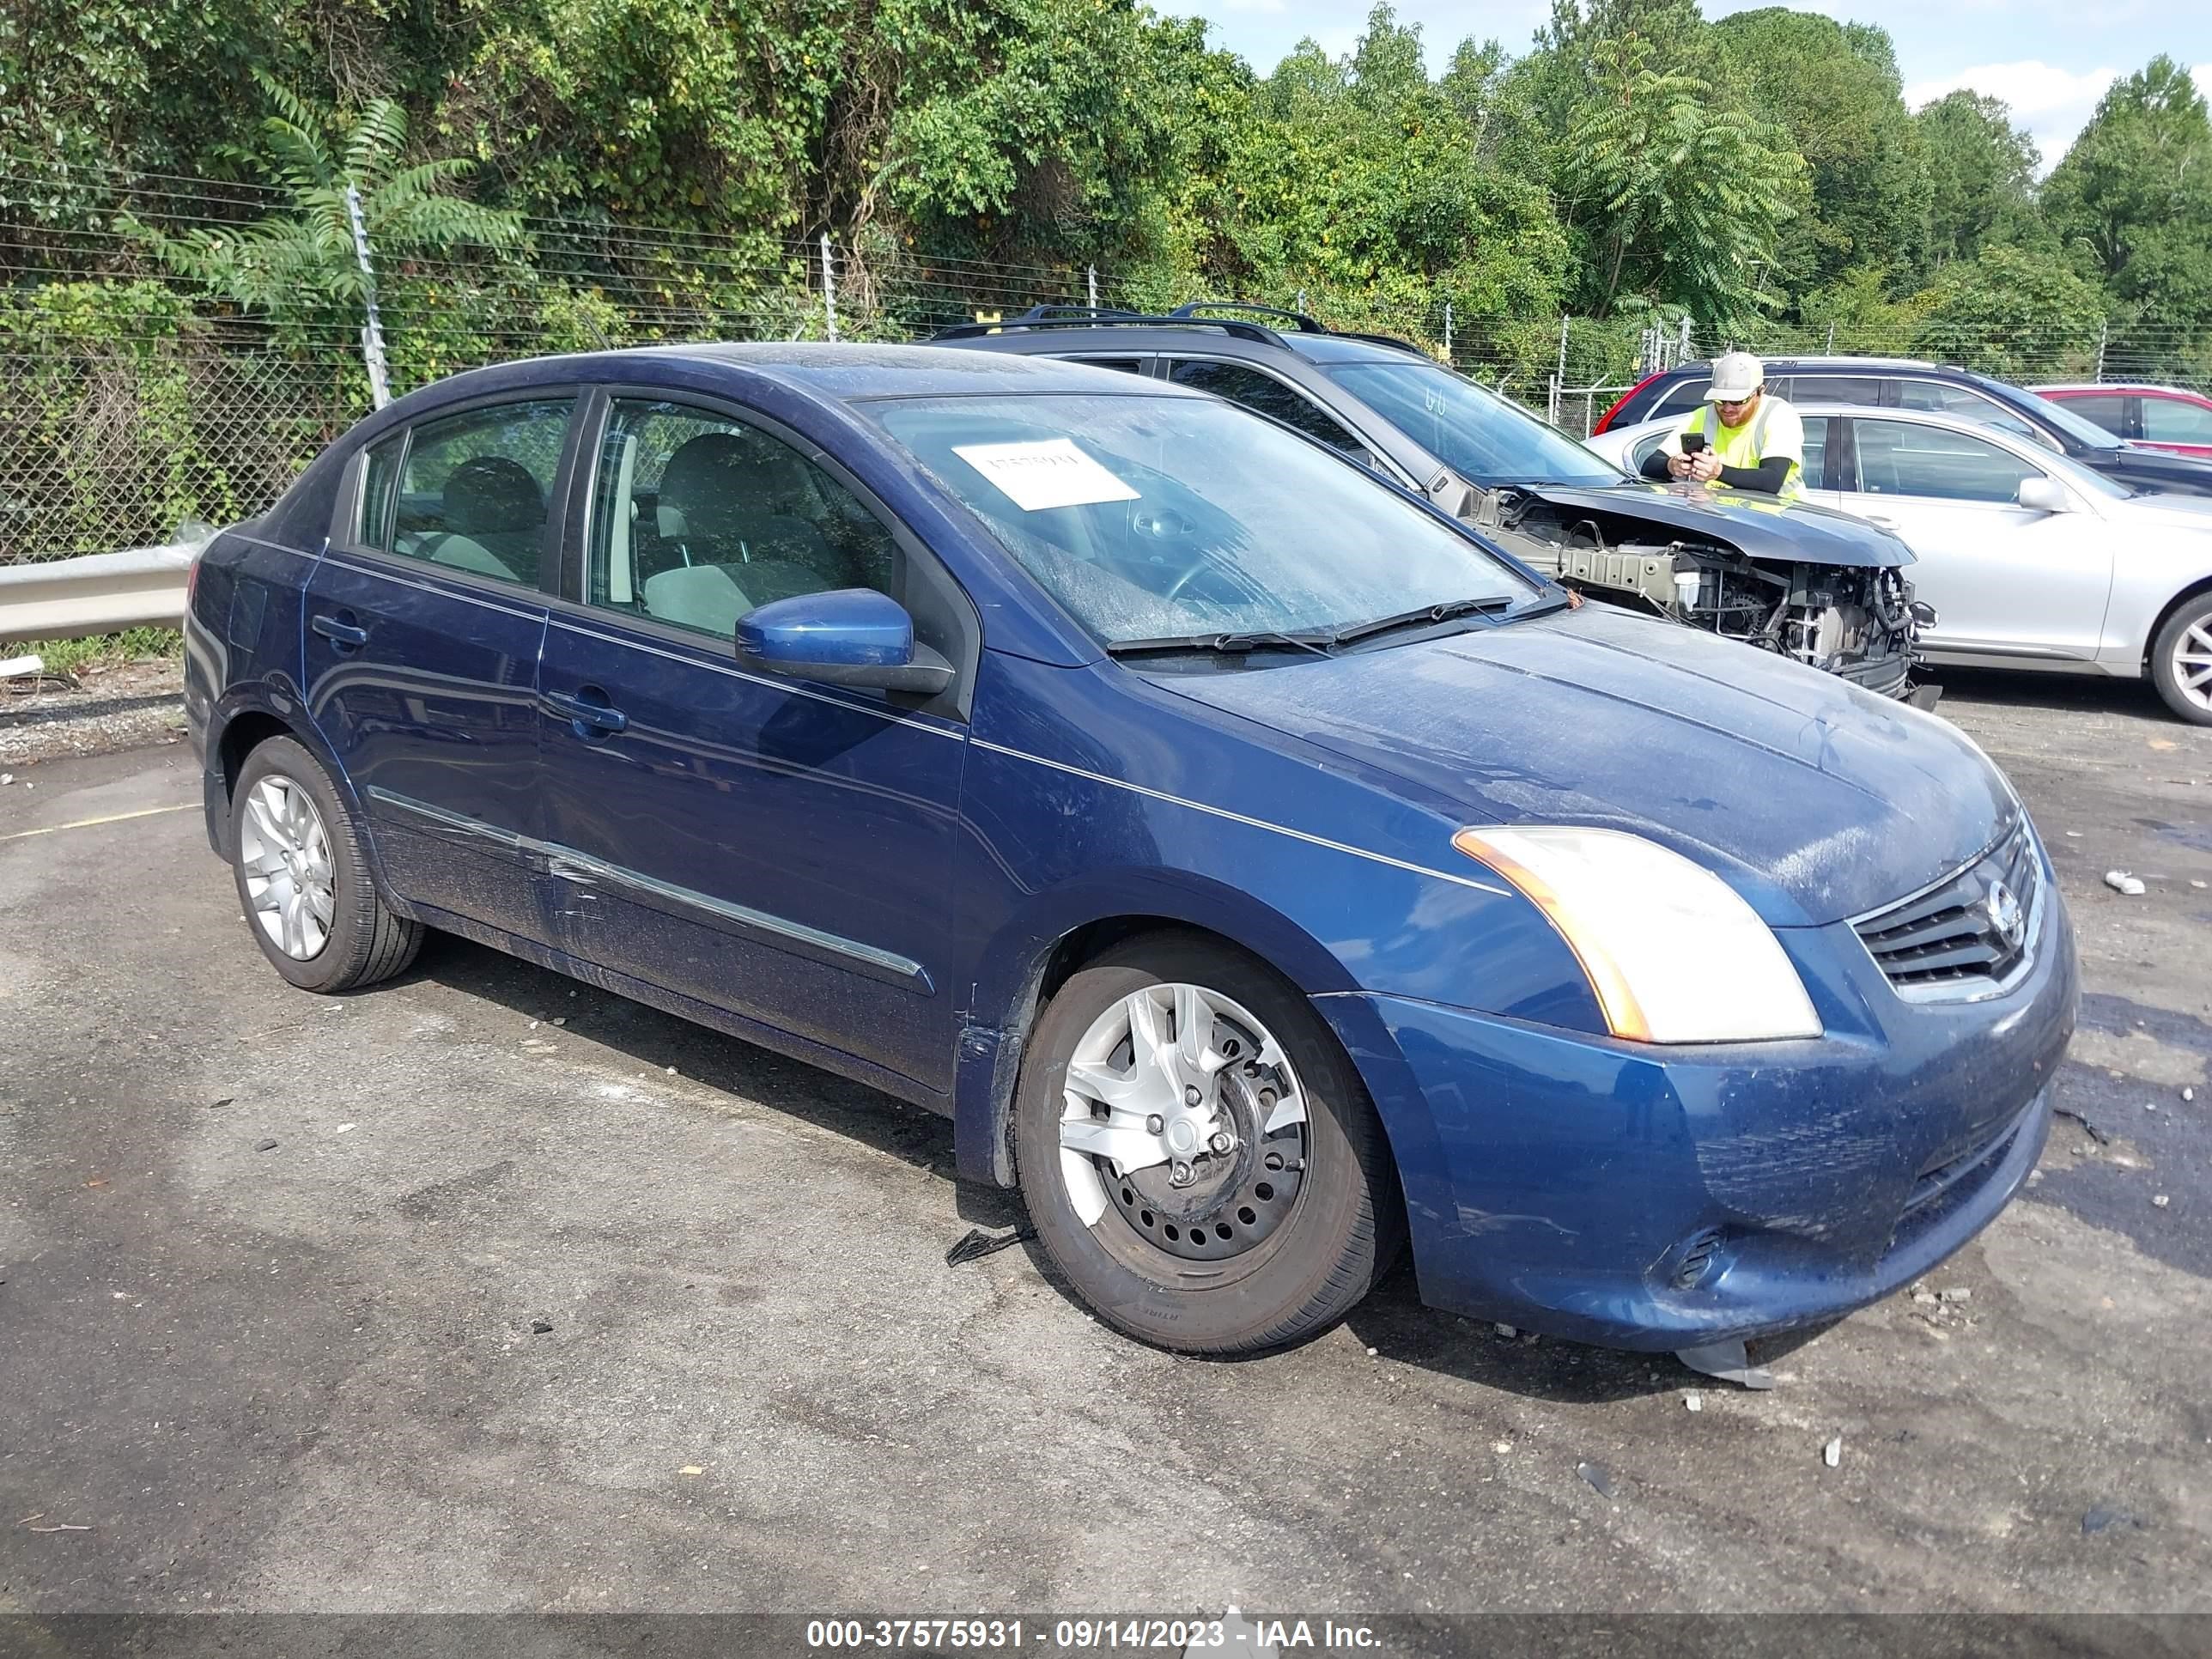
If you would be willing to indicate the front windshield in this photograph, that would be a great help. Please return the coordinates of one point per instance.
(1154, 518)
(2081, 430)
(1480, 437)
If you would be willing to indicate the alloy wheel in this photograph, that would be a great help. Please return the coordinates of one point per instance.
(284, 852)
(2192, 662)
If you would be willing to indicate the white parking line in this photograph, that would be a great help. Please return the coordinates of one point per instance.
(86, 824)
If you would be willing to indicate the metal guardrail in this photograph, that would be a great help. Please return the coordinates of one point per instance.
(99, 593)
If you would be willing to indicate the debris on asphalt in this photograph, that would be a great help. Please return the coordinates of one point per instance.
(1925, 1298)
(2089, 1128)
(1506, 1331)
(1833, 1452)
(1956, 1293)
(2160, 1200)
(2189, 1094)
(1693, 1401)
(225, 1101)
(1371, 1353)
(264, 1146)
(2100, 1518)
(1729, 1361)
(2121, 882)
(345, 1128)
(1599, 1478)
(977, 1245)
(6, 778)
(2193, 882)
(691, 1468)
(65, 1527)
(563, 1020)
(541, 1327)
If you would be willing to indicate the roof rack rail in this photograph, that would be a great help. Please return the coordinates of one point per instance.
(1105, 317)
(1298, 319)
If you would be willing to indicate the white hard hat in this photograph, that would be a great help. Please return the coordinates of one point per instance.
(1736, 375)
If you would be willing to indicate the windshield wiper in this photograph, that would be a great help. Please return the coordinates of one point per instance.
(1424, 616)
(1229, 644)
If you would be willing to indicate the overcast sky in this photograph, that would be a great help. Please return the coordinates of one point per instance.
(2049, 59)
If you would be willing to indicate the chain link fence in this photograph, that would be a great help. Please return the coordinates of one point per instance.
(130, 404)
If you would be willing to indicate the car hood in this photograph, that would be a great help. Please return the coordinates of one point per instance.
(1761, 527)
(2147, 465)
(1817, 801)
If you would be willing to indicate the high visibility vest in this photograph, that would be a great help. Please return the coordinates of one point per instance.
(1744, 445)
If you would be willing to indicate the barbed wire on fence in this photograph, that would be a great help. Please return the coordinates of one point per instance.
(131, 400)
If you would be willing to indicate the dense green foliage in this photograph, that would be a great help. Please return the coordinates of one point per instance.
(1760, 175)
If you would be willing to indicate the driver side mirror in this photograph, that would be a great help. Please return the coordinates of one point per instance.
(2041, 495)
(848, 636)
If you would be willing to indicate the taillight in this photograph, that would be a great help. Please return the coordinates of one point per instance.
(192, 578)
(1606, 419)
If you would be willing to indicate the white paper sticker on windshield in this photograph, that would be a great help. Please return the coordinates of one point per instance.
(1050, 473)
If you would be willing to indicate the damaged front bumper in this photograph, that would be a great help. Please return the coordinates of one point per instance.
(1659, 1198)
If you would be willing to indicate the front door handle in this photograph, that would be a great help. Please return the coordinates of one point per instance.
(586, 714)
(345, 635)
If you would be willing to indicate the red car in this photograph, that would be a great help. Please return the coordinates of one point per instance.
(2156, 416)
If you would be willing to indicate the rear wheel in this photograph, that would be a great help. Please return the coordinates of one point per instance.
(1197, 1155)
(2181, 660)
(303, 881)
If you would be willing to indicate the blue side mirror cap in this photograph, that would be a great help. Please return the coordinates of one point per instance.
(848, 636)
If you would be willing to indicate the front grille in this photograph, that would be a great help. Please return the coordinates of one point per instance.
(1970, 931)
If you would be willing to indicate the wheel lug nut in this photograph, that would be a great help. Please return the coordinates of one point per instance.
(1155, 1124)
(1191, 1096)
(1179, 1174)
(1220, 1141)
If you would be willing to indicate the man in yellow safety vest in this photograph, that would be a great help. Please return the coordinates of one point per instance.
(1744, 437)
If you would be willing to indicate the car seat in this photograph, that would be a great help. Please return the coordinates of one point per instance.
(494, 521)
(728, 499)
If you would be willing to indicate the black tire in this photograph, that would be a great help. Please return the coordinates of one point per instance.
(366, 942)
(2191, 613)
(1343, 1229)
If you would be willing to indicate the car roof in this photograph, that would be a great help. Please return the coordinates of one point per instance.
(1829, 407)
(1704, 366)
(837, 372)
(2135, 388)
(1246, 331)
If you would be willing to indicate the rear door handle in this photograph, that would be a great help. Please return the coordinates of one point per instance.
(347, 636)
(584, 715)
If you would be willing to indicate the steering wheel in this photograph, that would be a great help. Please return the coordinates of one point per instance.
(1161, 524)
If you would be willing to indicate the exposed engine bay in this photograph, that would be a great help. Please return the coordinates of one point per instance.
(1858, 621)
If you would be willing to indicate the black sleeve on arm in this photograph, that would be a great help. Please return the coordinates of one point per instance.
(1769, 475)
(1654, 465)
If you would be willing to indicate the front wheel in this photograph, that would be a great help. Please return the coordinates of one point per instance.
(2181, 660)
(1197, 1155)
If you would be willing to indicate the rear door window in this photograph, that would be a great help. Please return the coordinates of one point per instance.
(1902, 457)
(1816, 452)
(2169, 421)
(474, 488)
(1683, 397)
(1256, 389)
(1964, 402)
(1835, 389)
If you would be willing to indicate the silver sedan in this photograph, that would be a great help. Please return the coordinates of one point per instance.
(2030, 560)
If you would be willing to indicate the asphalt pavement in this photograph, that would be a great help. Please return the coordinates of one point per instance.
(274, 1268)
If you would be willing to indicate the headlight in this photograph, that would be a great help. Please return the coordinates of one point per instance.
(1672, 951)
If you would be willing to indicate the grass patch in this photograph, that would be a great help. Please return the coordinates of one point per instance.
(99, 650)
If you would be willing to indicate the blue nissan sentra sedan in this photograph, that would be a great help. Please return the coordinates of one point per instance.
(1260, 870)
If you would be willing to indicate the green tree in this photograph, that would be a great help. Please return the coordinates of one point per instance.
(1671, 200)
(2013, 312)
(1834, 91)
(2133, 201)
(301, 265)
(1981, 172)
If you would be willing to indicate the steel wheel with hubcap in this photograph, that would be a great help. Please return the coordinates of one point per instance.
(303, 878)
(1199, 1156)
